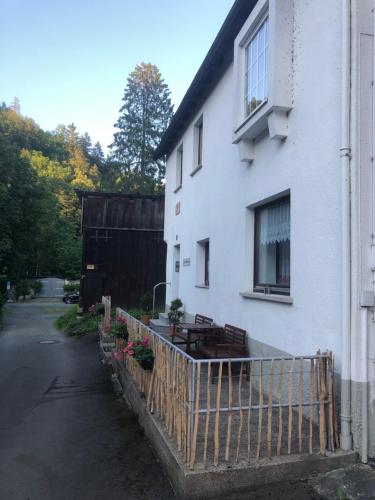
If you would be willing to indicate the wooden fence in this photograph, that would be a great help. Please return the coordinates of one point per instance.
(237, 410)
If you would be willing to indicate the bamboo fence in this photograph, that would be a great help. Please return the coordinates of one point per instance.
(237, 411)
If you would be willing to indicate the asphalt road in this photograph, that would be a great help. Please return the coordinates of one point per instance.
(63, 433)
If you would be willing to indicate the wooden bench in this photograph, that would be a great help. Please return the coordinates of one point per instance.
(231, 344)
(201, 320)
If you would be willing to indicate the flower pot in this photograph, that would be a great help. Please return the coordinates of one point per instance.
(147, 364)
(145, 318)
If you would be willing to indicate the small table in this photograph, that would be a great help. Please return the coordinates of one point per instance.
(186, 330)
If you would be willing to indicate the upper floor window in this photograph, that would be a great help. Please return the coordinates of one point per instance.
(272, 247)
(179, 165)
(256, 75)
(198, 145)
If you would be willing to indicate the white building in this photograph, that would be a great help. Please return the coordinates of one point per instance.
(270, 189)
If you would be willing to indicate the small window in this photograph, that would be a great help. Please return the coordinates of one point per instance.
(198, 144)
(203, 263)
(272, 248)
(256, 75)
(179, 165)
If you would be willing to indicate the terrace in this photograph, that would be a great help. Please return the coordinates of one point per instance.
(234, 413)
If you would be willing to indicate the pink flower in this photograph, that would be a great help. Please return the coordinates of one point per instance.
(117, 355)
(144, 342)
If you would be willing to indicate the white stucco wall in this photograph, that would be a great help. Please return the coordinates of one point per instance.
(213, 202)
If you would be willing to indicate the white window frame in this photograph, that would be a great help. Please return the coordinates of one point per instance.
(179, 166)
(263, 23)
(198, 145)
(203, 264)
(272, 113)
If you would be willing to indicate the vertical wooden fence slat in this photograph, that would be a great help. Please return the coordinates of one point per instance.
(269, 415)
(189, 423)
(196, 417)
(260, 414)
(280, 432)
(300, 406)
(290, 419)
(249, 411)
(208, 403)
(330, 401)
(322, 419)
(217, 416)
(229, 420)
(241, 413)
(311, 415)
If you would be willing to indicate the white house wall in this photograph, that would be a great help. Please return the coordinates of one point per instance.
(213, 202)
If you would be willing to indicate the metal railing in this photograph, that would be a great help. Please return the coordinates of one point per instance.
(228, 411)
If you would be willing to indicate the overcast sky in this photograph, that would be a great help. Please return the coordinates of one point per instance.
(68, 60)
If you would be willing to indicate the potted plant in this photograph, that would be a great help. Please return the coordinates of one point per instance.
(146, 307)
(141, 352)
(119, 330)
(175, 314)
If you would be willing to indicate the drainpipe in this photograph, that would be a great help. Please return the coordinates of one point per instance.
(367, 301)
(345, 154)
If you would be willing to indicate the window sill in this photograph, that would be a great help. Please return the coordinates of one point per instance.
(196, 170)
(282, 299)
(177, 188)
(202, 286)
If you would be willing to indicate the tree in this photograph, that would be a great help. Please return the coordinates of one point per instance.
(145, 115)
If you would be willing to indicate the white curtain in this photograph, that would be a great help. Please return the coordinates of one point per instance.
(275, 224)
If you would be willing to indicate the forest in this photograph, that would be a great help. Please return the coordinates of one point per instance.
(40, 172)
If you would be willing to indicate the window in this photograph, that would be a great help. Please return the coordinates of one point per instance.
(199, 132)
(198, 145)
(256, 75)
(203, 263)
(272, 247)
(179, 164)
(207, 263)
(262, 65)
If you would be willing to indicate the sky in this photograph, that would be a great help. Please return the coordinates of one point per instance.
(68, 60)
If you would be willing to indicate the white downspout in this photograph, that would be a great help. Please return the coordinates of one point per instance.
(345, 154)
(364, 377)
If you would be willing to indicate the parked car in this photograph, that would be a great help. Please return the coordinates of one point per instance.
(71, 298)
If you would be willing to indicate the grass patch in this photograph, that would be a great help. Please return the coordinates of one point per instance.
(70, 324)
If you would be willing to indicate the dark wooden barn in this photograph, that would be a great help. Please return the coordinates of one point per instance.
(123, 251)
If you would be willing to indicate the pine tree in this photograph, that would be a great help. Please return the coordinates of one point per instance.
(145, 115)
(97, 155)
(84, 142)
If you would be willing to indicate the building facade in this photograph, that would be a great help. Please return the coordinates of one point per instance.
(269, 218)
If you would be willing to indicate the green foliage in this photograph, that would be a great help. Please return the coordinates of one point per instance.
(174, 314)
(340, 495)
(22, 289)
(73, 325)
(71, 288)
(2, 301)
(39, 210)
(36, 286)
(99, 309)
(146, 302)
(135, 313)
(144, 116)
(119, 330)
